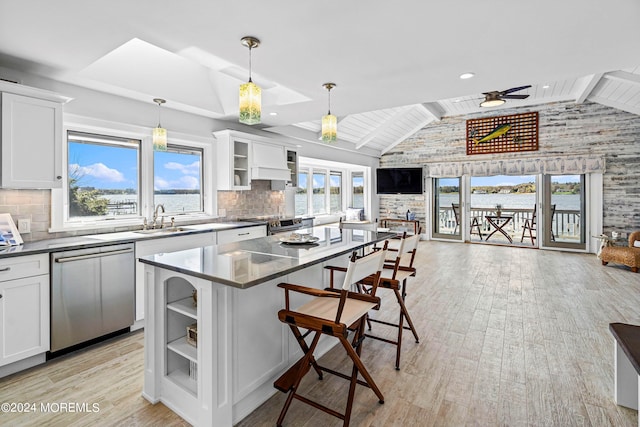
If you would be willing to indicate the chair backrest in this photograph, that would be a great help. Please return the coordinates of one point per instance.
(359, 268)
(633, 237)
(533, 216)
(407, 251)
(359, 225)
(456, 212)
(405, 255)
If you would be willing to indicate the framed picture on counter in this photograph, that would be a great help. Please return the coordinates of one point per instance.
(9, 235)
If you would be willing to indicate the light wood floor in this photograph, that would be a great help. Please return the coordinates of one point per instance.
(509, 337)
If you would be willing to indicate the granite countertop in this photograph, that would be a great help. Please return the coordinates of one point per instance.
(252, 262)
(96, 240)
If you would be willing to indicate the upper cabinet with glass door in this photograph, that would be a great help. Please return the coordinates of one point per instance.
(31, 137)
(233, 166)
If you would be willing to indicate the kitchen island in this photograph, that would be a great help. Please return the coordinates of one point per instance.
(241, 345)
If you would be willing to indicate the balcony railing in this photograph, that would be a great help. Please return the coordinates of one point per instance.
(565, 223)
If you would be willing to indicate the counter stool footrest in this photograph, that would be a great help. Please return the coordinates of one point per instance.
(341, 375)
(288, 379)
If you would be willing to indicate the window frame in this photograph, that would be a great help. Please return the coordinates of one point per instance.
(346, 187)
(100, 140)
(59, 200)
(176, 148)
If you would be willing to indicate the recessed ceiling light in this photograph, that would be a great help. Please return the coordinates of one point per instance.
(273, 113)
(456, 100)
(467, 75)
(545, 87)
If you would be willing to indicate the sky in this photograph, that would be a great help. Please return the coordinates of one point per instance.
(109, 167)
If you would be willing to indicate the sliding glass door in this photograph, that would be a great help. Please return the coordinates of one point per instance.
(564, 211)
(446, 208)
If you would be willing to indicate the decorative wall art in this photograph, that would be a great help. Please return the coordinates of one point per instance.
(503, 134)
(9, 235)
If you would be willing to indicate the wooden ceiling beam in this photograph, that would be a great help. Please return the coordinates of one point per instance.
(434, 109)
(591, 83)
(624, 76)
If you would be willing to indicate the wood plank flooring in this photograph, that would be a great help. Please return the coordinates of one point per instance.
(508, 337)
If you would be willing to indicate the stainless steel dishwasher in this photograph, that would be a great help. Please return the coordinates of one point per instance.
(92, 293)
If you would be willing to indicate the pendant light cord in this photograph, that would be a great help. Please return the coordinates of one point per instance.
(329, 101)
(250, 64)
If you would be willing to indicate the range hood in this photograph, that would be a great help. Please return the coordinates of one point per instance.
(269, 161)
(274, 174)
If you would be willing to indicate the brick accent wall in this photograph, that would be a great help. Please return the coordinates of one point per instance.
(565, 128)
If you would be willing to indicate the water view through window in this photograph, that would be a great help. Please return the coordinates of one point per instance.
(104, 177)
(516, 197)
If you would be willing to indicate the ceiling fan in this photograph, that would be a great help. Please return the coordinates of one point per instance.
(495, 98)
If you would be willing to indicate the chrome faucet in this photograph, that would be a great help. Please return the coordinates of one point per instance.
(155, 215)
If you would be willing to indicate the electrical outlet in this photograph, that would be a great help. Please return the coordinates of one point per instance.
(24, 225)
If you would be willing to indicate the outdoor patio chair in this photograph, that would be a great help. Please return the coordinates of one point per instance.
(530, 224)
(475, 223)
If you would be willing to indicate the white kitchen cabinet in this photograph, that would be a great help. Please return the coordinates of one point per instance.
(292, 165)
(233, 161)
(239, 234)
(24, 307)
(31, 137)
(167, 244)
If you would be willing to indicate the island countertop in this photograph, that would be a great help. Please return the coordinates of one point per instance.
(251, 262)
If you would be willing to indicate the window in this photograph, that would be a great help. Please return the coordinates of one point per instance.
(335, 192)
(302, 195)
(357, 190)
(177, 180)
(319, 191)
(103, 176)
(326, 187)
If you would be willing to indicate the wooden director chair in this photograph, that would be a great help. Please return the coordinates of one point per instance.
(335, 314)
(397, 269)
(394, 277)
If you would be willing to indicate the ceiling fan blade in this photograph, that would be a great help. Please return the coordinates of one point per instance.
(514, 96)
(515, 89)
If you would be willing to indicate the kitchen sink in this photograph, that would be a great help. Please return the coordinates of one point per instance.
(169, 230)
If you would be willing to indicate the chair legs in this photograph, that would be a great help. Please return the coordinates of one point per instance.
(290, 380)
(528, 226)
(476, 224)
(404, 314)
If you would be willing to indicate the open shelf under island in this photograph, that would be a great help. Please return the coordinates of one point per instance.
(242, 347)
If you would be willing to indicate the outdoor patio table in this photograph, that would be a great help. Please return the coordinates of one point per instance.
(498, 223)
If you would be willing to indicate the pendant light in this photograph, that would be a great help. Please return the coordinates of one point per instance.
(329, 122)
(159, 133)
(250, 93)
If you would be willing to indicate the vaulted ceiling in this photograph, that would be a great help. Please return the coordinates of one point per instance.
(396, 65)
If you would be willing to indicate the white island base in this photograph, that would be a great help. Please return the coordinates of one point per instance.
(242, 346)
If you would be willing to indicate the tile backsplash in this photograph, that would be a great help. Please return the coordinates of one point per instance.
(34, 205)
(258, 201)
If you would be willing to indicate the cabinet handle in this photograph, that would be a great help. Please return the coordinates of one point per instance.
(5, 269)
(93, 255)
(58, 177)
(0, 296)
(243, 234)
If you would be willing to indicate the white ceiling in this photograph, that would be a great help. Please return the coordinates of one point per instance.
(396, 64)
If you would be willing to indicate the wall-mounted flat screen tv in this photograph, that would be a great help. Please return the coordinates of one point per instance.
(399, 181)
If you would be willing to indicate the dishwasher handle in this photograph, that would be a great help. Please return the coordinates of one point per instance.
(93, 255)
